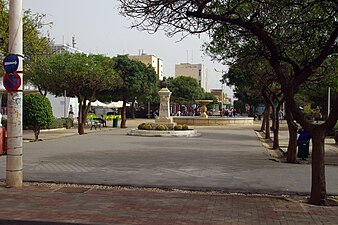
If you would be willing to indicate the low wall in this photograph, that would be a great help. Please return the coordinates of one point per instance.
(214, 121)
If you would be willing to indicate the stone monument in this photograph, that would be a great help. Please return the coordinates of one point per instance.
(164, 112)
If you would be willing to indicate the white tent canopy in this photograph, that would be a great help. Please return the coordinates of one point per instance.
(110, 105)
(99, 104)
(116, 104)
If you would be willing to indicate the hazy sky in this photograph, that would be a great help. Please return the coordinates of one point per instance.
(99, 28)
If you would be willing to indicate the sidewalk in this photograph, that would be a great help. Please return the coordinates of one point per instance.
(72, 204)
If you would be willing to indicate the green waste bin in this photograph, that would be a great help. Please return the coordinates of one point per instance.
(115, 122)
(303, 149)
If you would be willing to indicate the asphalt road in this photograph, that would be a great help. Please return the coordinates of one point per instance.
(230, 160)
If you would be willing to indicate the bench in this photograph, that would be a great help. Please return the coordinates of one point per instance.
(95, 124)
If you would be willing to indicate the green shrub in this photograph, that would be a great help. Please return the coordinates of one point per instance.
(37, 112)
(185, 127)
(141, 126)
(145, 126)
(178, 127)
(67, 123)
(148, 126)
(161, 127)
(56, 123)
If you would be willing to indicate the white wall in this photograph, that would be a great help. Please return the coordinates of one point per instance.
(61, 105)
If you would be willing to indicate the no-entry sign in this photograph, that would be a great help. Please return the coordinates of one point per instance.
(12, 81)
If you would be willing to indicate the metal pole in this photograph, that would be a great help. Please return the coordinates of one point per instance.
(328, 102)
(14, 164)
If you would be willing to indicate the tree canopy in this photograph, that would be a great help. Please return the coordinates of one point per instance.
(82, 76)
(138, 82)
(185, 90)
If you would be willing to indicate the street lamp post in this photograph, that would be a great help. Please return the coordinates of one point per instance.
(14, 163)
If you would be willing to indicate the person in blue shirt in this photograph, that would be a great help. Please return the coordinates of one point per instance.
(303, 143)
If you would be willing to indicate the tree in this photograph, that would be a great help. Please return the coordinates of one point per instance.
(301, 33)
(148, 91)
(255, 80)
(80, 75)
(247, 87)
(137, 80)
(35, 43)
(315, 90)
(38, 113)
(185, 90)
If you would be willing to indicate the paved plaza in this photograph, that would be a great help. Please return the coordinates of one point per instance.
(225, 176)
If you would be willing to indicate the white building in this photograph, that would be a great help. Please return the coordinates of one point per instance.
(62, 106)
(192, 70)
(62, 48)
(152, 60)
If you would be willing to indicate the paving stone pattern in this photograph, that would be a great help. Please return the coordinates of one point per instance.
(83, 205)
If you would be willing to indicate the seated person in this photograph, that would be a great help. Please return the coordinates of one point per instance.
(102, 121)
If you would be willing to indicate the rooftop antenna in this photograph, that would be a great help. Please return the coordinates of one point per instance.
(73, 41)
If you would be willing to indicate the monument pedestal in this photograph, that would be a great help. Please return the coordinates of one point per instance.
(164, 112)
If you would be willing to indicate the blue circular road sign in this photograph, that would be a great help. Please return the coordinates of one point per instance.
(11, 63)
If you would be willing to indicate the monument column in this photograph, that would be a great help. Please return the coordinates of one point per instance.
(164, 112)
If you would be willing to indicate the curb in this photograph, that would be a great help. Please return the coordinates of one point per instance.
(276, 154)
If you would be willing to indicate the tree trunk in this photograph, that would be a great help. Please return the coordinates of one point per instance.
(80, 128)
(292, 146)
(318, 187)
(275, 128)
(267, 121)
(82, 116)
(263, 122)
(123, 113)
(36, 133)
(276, 135)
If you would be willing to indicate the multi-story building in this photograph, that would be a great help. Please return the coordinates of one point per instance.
(152, 60)
(220, 95)
(192, 70)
